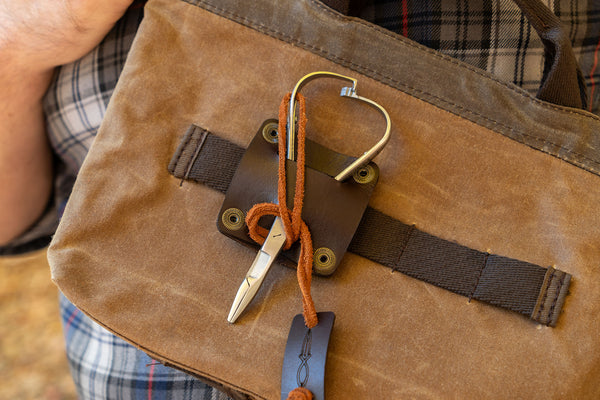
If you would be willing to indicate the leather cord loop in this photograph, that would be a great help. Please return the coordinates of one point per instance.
(295, 228)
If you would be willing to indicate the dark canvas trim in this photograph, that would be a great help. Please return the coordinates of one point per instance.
(566, 133)
(519, 286)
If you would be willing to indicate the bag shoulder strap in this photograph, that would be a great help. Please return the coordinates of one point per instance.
(562, 81)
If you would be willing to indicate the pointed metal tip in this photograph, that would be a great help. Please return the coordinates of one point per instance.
(259, 269)
(234, 313)
(240, 302)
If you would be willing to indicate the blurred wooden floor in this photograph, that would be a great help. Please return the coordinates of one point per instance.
(33, 364)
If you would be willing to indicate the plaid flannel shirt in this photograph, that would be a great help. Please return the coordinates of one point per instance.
(491, 35)
(103, 366)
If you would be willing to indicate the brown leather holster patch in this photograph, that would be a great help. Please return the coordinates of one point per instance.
(332, 209)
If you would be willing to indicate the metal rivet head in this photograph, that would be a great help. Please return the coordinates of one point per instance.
(365, 174)
(270, 132)
(233, 219)
(324, 260)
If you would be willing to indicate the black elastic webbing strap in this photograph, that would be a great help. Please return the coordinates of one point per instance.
(515, 285)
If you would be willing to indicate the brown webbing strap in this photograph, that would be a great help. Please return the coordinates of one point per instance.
(526, 288)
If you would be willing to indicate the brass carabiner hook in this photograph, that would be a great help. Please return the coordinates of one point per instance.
(346, 92)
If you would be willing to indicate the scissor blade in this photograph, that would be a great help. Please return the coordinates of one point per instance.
(257, 272)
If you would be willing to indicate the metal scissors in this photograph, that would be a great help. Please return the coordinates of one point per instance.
(257, 272)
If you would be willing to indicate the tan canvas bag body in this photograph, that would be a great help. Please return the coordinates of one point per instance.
(472, 160)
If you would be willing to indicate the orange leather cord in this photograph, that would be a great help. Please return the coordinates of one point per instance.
(300, 394)
(295, 227)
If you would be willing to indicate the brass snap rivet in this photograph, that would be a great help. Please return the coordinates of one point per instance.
(324, 261)
(270, 133)
(365, 174)
(233, 219)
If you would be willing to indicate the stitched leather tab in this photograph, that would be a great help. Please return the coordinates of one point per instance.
(306, 355)
(551, 297)
(332, 209)
(190, 162)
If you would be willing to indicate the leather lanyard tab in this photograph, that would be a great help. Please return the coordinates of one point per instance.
(306, 355)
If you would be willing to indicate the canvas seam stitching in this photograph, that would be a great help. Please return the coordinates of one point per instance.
(397, 84)
(336, 15)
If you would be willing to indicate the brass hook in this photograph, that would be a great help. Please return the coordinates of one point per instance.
(346, 92)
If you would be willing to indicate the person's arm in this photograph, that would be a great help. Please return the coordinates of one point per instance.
(35, 37)
(25, 157)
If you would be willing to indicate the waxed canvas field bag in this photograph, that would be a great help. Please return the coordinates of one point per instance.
(462, 262)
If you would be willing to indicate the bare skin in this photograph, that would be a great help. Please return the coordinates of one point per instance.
(36, 36)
